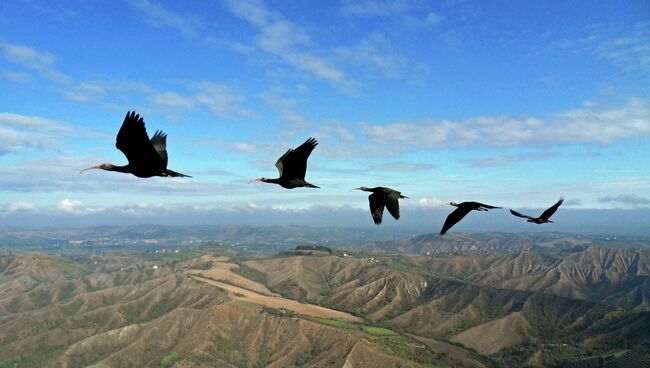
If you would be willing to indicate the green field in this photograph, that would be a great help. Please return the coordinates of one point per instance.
(378, 331)
(372, 330)
(333, 322)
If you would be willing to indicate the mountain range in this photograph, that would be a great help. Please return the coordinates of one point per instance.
(564, 303)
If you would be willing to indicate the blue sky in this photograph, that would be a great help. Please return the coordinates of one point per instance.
(508, 103)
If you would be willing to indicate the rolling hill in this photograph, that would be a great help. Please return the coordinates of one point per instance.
(475, 309)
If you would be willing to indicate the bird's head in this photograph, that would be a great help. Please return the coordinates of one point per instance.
(453, 204)
(107, 167)
(360, 188)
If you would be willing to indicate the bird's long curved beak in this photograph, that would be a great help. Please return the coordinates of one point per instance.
(355, 189)
(90, 168)
(254, 180)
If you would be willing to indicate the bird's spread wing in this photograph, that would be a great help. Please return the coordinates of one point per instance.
(133, 141)
(293, 164)
(376, 206)
(279, 163)
(455, 217)
(392, 203)
(486, 206)
(549, 212)
(159, 141)
(520, 215)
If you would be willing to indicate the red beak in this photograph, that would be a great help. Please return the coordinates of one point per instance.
(90, 168)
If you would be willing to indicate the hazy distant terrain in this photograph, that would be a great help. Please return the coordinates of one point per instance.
(480, 300)
(269, 240)
(245, 240)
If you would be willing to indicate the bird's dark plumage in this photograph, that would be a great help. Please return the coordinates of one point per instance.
(461, 211)
(147, 157)
(377, 204)
(292, 167)
(544, 217)
(383, 197)
(159, 141)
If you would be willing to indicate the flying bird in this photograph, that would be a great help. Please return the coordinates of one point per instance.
(293, 166)
(544, 216)
(147, 157)
(462, 209)
(383, 197)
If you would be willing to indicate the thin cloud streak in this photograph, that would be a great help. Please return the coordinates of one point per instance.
(158, 16)
(41, 62)
(587, 125)
(508, 159)
(626, 200)
(19, 133)
(289, 42)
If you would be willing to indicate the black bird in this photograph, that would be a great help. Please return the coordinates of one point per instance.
(383, 197)
(544, 217)
(463, 209)
(147, 157)
(293, 166)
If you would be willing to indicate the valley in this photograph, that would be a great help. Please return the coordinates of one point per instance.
(314, 306)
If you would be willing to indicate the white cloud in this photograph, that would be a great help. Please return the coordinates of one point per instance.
(21, 132)
(593, 124)
(20, 206)
(626, 200)
(172, 99)
(375, 56)
(86, 92)
(335, 132)
(17, 76)
(28, 57)
(508, 159)
(289, 42)
(431, 202)
(381, 8)
(42, 62)
(159, 16)
(286, 108)
(220, 99)
(71, 206)
(631, 51)
(33, 122)
(409, 13)
(141, 209)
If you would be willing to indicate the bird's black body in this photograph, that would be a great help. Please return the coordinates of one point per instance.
(292, 167)
(544, 217)
(147, 157)
(383, 197)
(462, 209)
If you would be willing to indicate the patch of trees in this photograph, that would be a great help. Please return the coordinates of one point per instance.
(315, 247)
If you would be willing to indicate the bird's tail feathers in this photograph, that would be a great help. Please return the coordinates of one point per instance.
(175, 174)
